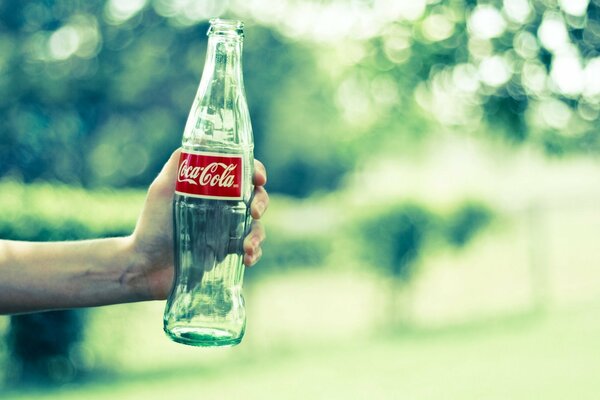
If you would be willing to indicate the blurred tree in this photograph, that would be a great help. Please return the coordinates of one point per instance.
(395, 239)
(97, 92)
(382, 77)
(293, 115)
(527, 70)
(465, 222)
(94, 98)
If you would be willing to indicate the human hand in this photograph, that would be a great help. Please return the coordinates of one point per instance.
(151, 272)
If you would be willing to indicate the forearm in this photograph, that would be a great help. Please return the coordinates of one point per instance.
(40, 276)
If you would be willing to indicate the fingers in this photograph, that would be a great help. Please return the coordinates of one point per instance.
(252, 243)
(259, 203)
(260, 174)
(250, 260)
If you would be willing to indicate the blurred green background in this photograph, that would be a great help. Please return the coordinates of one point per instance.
(434, 171)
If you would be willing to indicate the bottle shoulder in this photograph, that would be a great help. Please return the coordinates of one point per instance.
(217, 147)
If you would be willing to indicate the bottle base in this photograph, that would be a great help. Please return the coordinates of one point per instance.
(203, 337)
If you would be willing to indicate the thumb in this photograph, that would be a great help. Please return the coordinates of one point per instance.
(164, 184)
(156, 208)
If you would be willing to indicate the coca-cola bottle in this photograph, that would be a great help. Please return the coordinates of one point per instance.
(212, 201)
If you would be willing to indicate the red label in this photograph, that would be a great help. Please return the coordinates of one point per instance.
(209, 175)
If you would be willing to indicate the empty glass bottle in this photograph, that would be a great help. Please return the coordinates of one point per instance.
(212, 201)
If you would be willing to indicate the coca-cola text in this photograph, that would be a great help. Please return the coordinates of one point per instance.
(209, 175)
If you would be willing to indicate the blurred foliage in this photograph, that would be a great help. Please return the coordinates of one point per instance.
(42, 212)
(97, 92)
(282, 251)
(527, 71)
(94, 101)
(43, 347)
(465, 222)
(396, 238)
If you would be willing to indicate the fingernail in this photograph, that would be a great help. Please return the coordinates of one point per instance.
(260, 207)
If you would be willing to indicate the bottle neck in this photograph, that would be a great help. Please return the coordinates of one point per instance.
(219, 115)
(223, 67)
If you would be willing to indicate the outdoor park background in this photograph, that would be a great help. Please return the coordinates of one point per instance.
(434, 175)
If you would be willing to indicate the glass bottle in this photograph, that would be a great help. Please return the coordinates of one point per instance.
(212, 201)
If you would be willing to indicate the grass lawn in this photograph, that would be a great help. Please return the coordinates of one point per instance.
(532, 357)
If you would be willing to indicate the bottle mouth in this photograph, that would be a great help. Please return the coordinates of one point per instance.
(226, 27)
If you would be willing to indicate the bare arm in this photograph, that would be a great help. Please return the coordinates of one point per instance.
(37, 276)
(40, 276)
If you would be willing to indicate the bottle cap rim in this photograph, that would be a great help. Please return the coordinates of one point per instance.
(226, 27)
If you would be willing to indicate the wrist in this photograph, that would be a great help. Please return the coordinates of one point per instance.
(132, 279)
(149, 274)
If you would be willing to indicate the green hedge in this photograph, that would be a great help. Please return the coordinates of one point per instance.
(43, 212)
